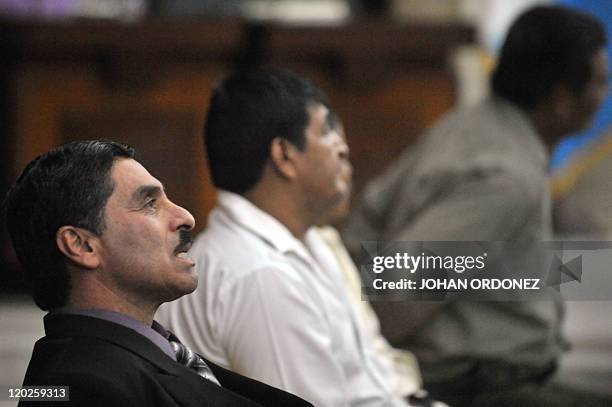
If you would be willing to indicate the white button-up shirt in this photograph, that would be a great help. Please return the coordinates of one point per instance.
(276, 309)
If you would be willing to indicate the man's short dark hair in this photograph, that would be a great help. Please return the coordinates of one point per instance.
(545, 47)
(247, 111)
(69, 185)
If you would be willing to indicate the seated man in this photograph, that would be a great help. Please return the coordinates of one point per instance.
(273, 303)
(480, 174)
(410, 381)
(103, 247)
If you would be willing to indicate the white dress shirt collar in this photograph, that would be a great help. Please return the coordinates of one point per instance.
(261, 223)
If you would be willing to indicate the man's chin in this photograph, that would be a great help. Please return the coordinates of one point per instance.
(193, 285)
(185, 288)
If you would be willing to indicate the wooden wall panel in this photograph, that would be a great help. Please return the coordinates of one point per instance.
(147, 84)
(163, 122)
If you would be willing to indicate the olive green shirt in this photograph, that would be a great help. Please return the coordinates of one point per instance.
(479, 175)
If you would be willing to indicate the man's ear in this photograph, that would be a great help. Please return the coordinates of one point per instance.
(77, 244)
(282, 155)
(562, 101)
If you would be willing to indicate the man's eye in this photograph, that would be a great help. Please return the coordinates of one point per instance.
(151, 203)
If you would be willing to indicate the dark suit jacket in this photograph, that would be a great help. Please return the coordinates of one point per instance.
(106, 364)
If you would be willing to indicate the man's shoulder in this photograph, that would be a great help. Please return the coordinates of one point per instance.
(492, 139)
(230, 248)
(98, 372)
(92, 369)
(73, 357)
(225, 236)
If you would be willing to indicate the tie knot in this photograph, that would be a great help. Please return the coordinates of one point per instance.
(184, 355)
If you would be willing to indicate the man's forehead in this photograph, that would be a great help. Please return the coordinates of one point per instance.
(132, 180)
(318, 112)
(316, 107)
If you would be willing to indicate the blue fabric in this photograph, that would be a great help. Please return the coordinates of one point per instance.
(603, 120)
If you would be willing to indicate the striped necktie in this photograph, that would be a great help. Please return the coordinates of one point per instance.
(192, 360)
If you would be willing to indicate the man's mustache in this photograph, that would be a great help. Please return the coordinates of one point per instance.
(185, 241)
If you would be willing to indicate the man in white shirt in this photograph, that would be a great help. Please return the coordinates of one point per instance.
(272, 302)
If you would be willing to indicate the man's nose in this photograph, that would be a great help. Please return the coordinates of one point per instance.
(183, 219)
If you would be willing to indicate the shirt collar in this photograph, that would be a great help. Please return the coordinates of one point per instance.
(529, 137)
(260, 223)
(155, 333)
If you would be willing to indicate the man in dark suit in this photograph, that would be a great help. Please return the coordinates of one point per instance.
(103, 247)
